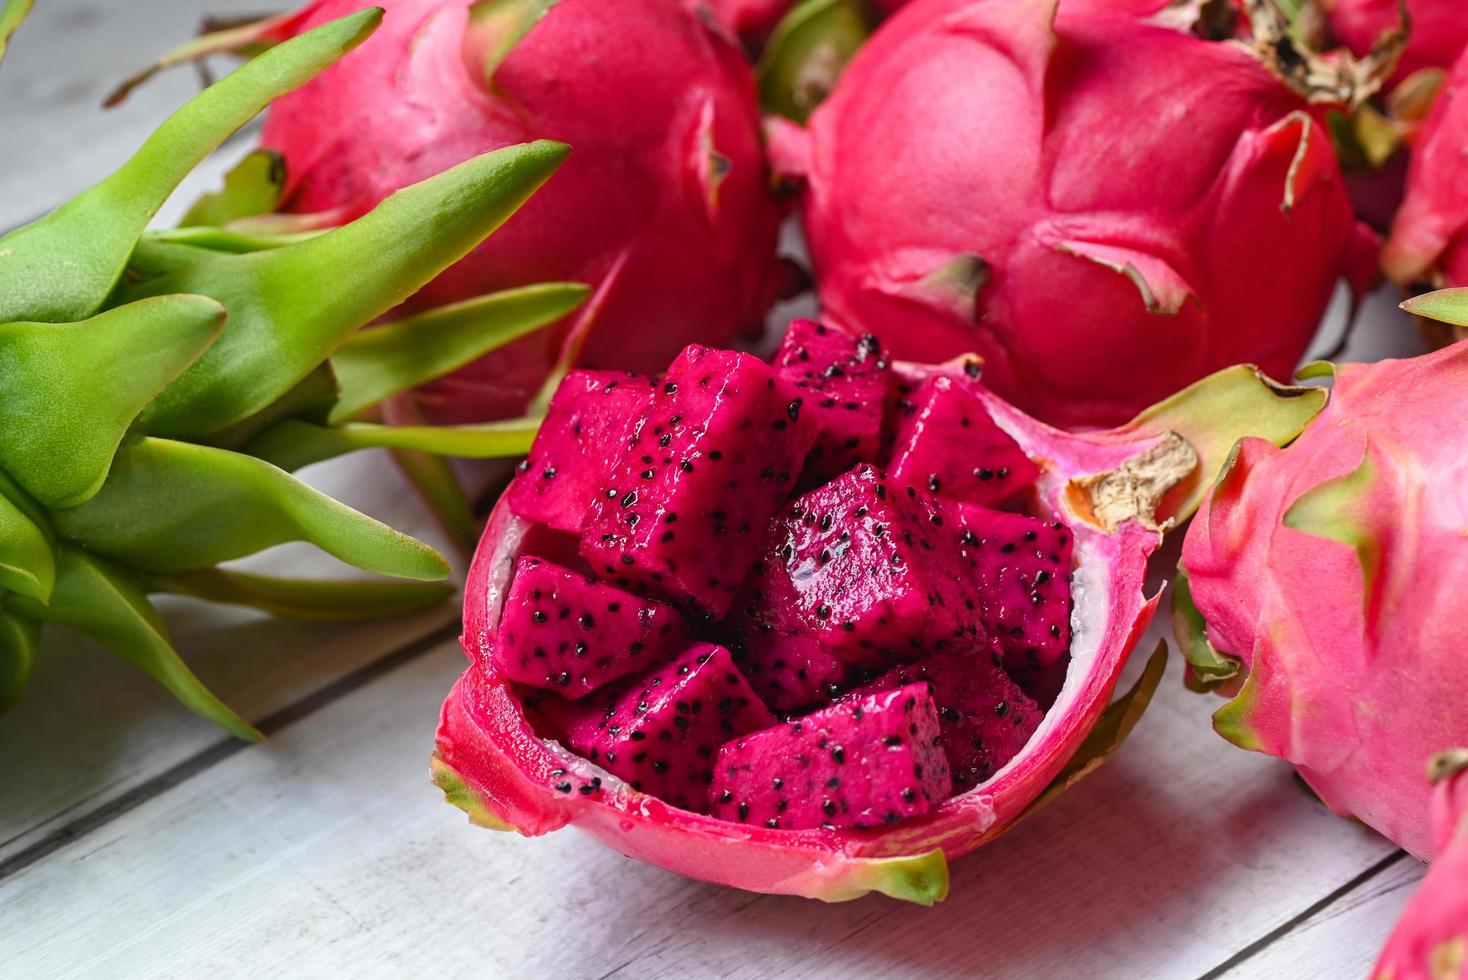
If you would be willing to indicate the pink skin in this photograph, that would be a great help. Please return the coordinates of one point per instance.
(1439, 30)
(1356, 687)
(1429, 239)
(1182, 162)
(1432, 936)
(486, 744)
(698, 250)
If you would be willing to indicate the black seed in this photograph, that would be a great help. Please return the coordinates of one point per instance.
(743, 811)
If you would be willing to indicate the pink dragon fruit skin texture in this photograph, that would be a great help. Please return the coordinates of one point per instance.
(1429, 238)
(1439, 30)
(1332, 570)
(1430, 941)
(665, 201)
(1103, 208)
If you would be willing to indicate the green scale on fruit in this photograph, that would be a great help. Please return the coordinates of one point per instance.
(158, 388)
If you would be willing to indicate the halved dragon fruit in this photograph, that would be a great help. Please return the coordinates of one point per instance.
(917, 751)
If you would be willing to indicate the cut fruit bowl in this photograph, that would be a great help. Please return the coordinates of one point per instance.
(766, 635)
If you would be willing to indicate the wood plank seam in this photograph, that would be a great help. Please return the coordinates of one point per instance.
(226, 748)
(1284, 929)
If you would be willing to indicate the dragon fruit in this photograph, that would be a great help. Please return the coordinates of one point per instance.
(526, 758)
(1322, 592)
(865, 762)
(1018, 566)
(585, 423)
(1438, 30)
(984, 719)
(867, 570)
(1428, 245)
(1079, 196)
(565, 632)
(715, 449)
(665, 204)
(943, 414)
(661, 732)
(847, 379)
(1431, 940)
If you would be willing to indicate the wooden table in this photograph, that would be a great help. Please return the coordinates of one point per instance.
(136, 841)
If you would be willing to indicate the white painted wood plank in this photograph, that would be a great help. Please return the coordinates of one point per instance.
(327, 851)
(55, 139)
(1343, 940)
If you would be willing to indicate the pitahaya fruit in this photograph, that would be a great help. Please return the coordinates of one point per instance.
(867, 570)
(845, 380)
(868, 761)
(1078, 198)
(665, 203)
(710, 458)
(1018, 569)
(563, 631)
(1437, 34)
(586, 425)
(531, 760)
(784, 662)
(984, 719)
(1431, 940)
(1428, 245)
(1323, 592)
(661, 732)
(940, 415)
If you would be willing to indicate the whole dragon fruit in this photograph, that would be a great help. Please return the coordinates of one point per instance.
(664, 204)
(1431, 940)
(1322, 592)
(1428, 244)
(1080, 196)
(1438, 29)
(877, 675)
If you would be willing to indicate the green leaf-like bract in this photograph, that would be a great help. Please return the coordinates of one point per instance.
(144, 375)
(27, 565)
(385, 360)
(169, 506)
(19, 639)
(293, 444)
(1447, 305)
(311, 599)
(62, 267)
(107, 603)
(59, 427)
(290, 307)
(254, 186)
